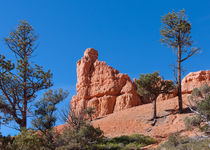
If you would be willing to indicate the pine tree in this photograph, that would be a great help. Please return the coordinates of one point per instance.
(45, 109)
(20, 81)
(176, 33)
(45, 115)
(150, 86)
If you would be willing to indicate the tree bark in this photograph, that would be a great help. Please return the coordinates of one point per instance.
(24, 119)
(154, 112)
(154, 109)
(25, 103)
(179, 80)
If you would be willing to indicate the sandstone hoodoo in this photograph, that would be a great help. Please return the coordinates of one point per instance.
(102, 87)
(195, 80)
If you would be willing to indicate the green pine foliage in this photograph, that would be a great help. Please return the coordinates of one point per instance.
(175, 29)
(44, 137)
(45, 109)
(150, 86)
(45, 116)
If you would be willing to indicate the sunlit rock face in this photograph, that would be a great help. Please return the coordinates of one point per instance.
(189, 82)
(102, 87)
(195, 80)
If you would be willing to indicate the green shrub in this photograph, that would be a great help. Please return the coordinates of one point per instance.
(133, 146)
(190, 122)
(137, 138)
(200, 105)
(175, 142)
(87, 138)
(26, 140)
(107, 146)
(124, 142)
(81, 139)
(5, 141)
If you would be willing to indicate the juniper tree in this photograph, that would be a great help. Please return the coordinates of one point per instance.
(176, 33)
(20, 81)
(150, 86)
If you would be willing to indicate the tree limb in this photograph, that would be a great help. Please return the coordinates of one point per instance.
(190, 54)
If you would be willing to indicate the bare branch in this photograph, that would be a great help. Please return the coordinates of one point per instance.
(190, 54)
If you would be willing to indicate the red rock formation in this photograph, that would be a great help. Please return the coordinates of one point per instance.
(163, 97)
(102, 87)
(190, 81)
(195, 80)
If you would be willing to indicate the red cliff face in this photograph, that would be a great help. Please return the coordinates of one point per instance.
(195, 80)
(102, 87)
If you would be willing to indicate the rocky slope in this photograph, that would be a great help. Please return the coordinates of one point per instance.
(102, 87)
(112, 93)
(136, 120)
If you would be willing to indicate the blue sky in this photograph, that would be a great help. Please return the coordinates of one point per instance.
(126, 34)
